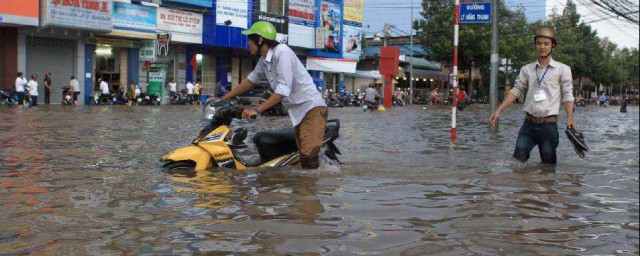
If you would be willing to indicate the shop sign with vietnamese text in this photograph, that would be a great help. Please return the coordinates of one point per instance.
(84, 14)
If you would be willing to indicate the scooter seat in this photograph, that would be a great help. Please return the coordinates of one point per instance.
(275, 143)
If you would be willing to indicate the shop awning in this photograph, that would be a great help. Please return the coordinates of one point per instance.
(132, 34)
(373, 74)
(423, 73)
(347, 66)
(419, 63)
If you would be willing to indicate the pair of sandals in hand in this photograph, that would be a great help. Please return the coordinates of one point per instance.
(577, 140)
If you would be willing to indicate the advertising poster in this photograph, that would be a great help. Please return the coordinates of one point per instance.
(301, 12)
(25, 12)
(330, 19)
(236, 11)
(185, 27)
(89, 14)
(133, 17)
(352, 33)
(302, 18)
(279, 21)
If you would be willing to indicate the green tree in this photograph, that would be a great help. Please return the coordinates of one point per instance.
(474, 45)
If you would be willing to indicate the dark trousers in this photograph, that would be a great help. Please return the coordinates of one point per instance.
(20, 97)
(545, 136)
(47, 96)
(34, 100)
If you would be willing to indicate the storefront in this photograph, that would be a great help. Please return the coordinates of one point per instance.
(59, 46)
(14, 14)
(117, 54)
(176, 30)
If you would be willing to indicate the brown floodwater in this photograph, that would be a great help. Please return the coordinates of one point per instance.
(88, 181)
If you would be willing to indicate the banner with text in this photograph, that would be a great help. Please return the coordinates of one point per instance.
(302, 19)
(235, 11)
(86, 14)
(185, 27)
(353, 12)
(281, 23)
(148, 51)
(133, 17)
(199, 3)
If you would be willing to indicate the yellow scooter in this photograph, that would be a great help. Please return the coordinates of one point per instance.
(216, 145)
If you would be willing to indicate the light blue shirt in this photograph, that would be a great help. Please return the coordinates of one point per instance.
(289, 78)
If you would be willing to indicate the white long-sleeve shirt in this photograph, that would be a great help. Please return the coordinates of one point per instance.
(20, 82)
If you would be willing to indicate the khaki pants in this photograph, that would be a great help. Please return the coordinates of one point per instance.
(309, 136)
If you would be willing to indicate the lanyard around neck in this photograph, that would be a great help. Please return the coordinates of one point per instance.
(538, 78)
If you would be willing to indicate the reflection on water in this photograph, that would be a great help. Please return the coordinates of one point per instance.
(87, 181)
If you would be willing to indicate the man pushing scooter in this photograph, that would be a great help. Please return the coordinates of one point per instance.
(293, 86)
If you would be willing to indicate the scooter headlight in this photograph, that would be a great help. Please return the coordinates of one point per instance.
(139, 99)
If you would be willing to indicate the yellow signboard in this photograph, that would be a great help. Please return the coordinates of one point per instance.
(353, 10)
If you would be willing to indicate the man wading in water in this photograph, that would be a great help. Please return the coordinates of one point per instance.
(549, 83)
(293, 86)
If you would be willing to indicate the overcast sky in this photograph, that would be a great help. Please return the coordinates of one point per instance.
(398, 13)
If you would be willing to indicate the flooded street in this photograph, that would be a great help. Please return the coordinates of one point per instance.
(88, 181)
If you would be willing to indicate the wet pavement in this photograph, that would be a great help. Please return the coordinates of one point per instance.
(88, 181)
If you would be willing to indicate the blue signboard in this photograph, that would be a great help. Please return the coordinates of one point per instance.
(477, 12)
(133, 17)
(200, 3)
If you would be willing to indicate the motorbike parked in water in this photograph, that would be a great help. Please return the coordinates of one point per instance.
(217, 145)
(8, 98)
(67, 96)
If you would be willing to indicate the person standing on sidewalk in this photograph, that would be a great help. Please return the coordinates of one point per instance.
(33, 89)
(292, 85)
(75, 86)
(549, 83)
(47, 87)
(20, 83)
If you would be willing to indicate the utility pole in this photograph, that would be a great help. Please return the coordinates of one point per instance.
(493, 86)
(411, 53)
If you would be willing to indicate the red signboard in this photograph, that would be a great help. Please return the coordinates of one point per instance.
(389, 60)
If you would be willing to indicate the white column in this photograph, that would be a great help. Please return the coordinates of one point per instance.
(80, 72)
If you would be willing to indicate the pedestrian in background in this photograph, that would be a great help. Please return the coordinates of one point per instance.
(549, 83)
(172, 86)
(131, 95)
(47, 87)
(20, 83)
(33, 89)
(190, 88)
(75, 86)
(602, 99)
(196, 91)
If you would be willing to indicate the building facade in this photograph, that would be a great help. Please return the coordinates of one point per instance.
(148, 42)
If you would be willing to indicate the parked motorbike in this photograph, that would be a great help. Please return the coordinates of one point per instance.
(217, 145)
(8, 97)
(67, 96)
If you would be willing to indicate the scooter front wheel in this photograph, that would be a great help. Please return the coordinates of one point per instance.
(180, 165)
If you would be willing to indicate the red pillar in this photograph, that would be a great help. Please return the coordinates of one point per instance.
(9, 56)
(388, 91)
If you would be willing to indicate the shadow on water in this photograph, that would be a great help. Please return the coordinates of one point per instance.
(87, 181)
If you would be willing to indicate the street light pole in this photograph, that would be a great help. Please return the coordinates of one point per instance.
(493, 85)
(411, 62)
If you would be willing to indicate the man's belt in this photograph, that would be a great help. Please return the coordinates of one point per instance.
(541, 120)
